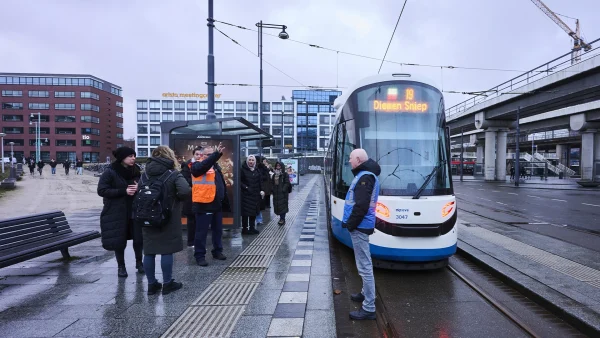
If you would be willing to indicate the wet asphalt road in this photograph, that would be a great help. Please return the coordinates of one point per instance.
(572, 216)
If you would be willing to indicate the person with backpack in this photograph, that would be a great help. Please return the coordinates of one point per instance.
(158, 211)
(209, 195)
(117, 187)
(53, 166)
(281, 188)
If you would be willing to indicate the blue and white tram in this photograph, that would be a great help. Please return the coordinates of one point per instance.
(400, 122)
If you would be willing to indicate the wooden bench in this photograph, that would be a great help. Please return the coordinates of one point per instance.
(27, 237)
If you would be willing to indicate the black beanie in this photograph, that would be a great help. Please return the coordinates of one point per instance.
(121, 153)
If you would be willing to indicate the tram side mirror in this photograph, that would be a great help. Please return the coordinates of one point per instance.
(267, 143)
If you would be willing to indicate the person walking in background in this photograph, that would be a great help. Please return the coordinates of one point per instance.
(359, 219)
(266, 182)
(281, 187)
(40, 166)
(512, 172)
(208, 197)
(79, 167)
(67, 166)
(31, 166)
(186, 205)
(165, 240)
(117, 187)
(53, 166)
(252, 193)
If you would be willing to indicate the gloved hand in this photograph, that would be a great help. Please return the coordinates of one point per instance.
(350, 228)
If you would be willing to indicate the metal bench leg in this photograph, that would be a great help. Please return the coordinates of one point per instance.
(65, 253)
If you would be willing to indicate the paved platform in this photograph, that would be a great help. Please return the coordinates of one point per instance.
(558, 274)
(274, 284)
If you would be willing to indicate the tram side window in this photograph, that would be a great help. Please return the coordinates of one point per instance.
(344, 176)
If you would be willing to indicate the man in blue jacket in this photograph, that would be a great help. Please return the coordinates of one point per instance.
(359, 219)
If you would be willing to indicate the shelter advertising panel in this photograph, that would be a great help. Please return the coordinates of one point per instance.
(291, 167)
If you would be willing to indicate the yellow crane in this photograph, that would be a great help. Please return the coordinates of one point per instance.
(578, 42)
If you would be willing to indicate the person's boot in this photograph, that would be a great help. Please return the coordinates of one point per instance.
(139, 266)
(357, 297)
(253, 231)
(122, 272)
(154, 288)
(362, 315)
(171, 286)
(245, 231)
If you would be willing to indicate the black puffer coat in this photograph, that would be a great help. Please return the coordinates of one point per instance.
(251, 187)
(167, 239)
(280, 188)
(116, 219)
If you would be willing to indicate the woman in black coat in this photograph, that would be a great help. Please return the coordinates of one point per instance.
(251, 194)
(118, 186)
(165, 240)
(280, 188)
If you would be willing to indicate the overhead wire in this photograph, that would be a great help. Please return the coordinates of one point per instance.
(275, 85)
(392, 37)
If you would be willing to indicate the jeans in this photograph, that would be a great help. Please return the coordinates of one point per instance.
(79, 171)
(259, 218)
(215, 220)
(53, 171)
(166, 264)
(362, 255)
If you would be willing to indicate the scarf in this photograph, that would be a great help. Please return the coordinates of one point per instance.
(129, 174)
(277, 173)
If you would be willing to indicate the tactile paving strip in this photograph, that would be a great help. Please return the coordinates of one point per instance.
(241, 275)
(260, 250)
(251, 262)
(568, 267)
(226, 294)
(206, 321)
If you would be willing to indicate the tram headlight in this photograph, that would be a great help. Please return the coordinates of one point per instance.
(447, 208)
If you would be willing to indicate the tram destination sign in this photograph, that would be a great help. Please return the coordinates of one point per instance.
(393, 105)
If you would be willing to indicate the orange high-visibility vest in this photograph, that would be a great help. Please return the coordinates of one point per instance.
(204, 188)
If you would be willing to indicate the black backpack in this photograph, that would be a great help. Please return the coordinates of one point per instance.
(152, 206)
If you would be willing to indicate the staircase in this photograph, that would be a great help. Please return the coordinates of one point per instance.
(556, 169)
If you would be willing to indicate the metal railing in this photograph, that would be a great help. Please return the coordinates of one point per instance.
(560, 63)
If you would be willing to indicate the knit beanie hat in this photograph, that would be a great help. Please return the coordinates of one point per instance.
(121, 153)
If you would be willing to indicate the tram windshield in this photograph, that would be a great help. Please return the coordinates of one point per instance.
(401, 125)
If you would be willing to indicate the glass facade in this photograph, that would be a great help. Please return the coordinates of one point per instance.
(315, 116)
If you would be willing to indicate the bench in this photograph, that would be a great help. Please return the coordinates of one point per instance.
(27, 237)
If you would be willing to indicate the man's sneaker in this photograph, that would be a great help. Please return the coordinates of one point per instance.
(154, 288)
(357, 297)
(360, 314)
(201, 262)
(171, 286)
(220, 257)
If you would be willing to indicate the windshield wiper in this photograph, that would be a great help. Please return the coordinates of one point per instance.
(429, 178)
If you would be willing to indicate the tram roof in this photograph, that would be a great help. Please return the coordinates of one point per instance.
(341, 100)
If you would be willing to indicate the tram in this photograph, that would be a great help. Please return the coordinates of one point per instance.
(399, 120)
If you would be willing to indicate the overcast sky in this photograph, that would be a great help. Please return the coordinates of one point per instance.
(153, 46)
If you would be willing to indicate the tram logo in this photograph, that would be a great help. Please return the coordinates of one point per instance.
(382, 210)
(392, 94)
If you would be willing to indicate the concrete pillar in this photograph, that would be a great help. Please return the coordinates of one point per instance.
(561, 153)
(479, 154)
(501, 155)
(490, 155)
(597, 156)
(587, 155)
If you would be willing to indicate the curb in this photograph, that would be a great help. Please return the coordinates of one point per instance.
(530, 291)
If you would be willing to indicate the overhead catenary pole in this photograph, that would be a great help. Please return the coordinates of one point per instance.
(462, 142)
(210, 115)
(517, 152)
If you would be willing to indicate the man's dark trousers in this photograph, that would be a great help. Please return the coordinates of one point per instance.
(202, 223)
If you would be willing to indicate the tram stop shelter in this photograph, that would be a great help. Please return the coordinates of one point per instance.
(185, 136)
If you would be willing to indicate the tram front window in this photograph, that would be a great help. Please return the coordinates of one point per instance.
(401, 126)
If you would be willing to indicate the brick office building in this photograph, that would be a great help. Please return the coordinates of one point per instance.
(81, 116)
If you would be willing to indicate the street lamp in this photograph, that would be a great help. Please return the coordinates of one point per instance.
(2, 136)
(37, 135)
(12, 153)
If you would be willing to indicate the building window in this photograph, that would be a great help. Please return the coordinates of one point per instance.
(203, 105)
(288, 118)
(266, 107)
(179, 116)
(192, 105)
(12, 93)
(12, 130)
(154, 141)
(154, 117)
(167, 104)
(90, 119)
(43, 130)
(218, 106)
(324, 143)
(192, 116)
(64, 106)
(142, 140)
(142, 152)
(288, 130)
(154, 129)
(276, 130)
(142, 116)
(12, 118)
(226, 115)
(89, 95)
(116, 91)
(266, 118)
(60, 94)
(119, 114)
(40, 106)
(43, 142)
(240, 106)
(324, 119)
(39, 93)
(90, 131)
(252, 106)
(288, 107)
(276, 119)
(119, 104)
(88, 106)
(277, 106)
(66, 143)
(120, 135)
(65, 118)
(70, 131)
(142, 129)
(324, 130)
(154, 104)
(228, 106)
(91, 157)
(42, 118)
(119, 145)
(142, 104)
(120, 125)
(167, 116)
(253, 118)
(13, 105)
(90, 143)
(179, 105)
(17, 142)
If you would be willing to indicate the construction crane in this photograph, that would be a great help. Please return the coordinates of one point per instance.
(578, 42)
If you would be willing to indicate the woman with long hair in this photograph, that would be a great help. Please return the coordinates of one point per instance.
(281, 188)
(165, 240)
(251, 194)
(117, 187)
